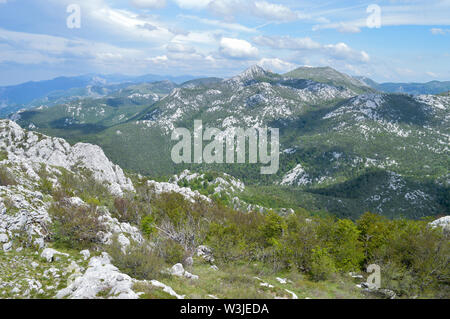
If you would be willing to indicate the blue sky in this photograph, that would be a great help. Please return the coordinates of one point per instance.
(409, 42)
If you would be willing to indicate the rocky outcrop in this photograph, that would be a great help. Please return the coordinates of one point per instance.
(30, 147)
(101, 279)
(50, 254)
(443, 222)
(178, 270)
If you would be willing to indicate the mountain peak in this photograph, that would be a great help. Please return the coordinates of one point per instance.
(329, 76)
(252, 72)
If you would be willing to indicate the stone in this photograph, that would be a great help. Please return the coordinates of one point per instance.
(50, 253)
(188, 262)
(178, 270)
(7, 246)
(443, 222)
(206, 253)
(166, 289)
(4, 238)
(86, 254)
(100, 276)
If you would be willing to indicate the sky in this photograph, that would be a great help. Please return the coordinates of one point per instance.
(387, 41)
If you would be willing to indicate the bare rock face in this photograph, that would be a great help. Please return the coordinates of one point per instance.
(30, 147)
(100, 279)
(443, 222)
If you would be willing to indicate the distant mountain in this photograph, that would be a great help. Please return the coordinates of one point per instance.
(201, 82)
(432, 87)
(64, 89)
(329, 76)
(341, 151)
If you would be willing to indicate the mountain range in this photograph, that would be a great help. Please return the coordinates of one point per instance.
(63, 89)
(345, 147)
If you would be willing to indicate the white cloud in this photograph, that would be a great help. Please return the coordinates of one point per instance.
(276, 65)
(51, 49)
(149, 4)
(422, 13)
(216, 23)
(193, 4)
(343, 51)
(179, 47)
(348, 28)
(236, 48)
(227, 9)
(276, 12)
(287, 42)
(439, 31)
(339, 51)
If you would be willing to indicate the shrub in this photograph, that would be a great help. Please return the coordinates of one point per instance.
(138, 261)
(6, 178)
(46, 186)
(147, 225)
(127, 210)
(322, 265)
(172, 252)
(75, 227)
(341, 239)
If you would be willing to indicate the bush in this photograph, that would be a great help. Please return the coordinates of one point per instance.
(127, 210)
(46, 186)
(147, 225)
(342, 241)
(6, 178)
(172, 252)
(322, 265)
(138, 261)
(75, 227)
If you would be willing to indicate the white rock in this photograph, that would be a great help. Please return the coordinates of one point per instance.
(166, 289)
(7, 246)
(50, 253)
(294, 296)
(86, 254)
(281, 280)
(123, 241)
(100, 276)
(443, 222)
(178, 270)
(4, 238)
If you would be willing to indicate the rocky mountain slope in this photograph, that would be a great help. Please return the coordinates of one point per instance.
(344, 148)
(67, 230)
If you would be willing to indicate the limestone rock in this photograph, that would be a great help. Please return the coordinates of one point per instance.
(100, 279)
(50, 253)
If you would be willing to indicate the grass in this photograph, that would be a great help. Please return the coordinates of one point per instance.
(16, 267)
(237, 281)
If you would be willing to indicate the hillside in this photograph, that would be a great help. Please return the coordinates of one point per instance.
(66, 89)
(432, 87)
(342, 152)
(329, 76)
(74, 225)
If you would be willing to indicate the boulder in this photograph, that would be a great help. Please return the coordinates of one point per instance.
(50, 253)
(86, 254)
(4, 238)
(443, 222)
(178, 270)
(101, 279)
(206, 253)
